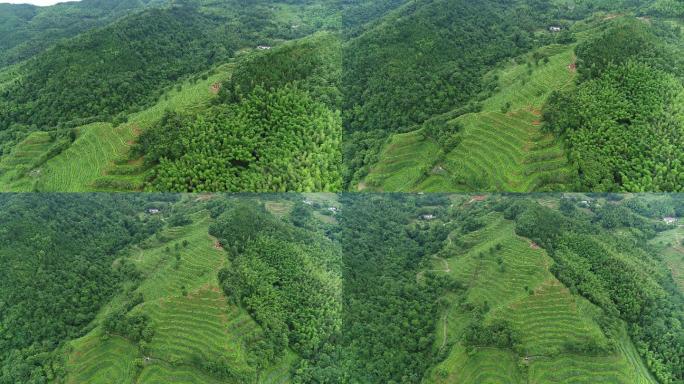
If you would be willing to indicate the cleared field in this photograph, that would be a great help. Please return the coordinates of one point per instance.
(98, 159)
(510, 276)
(502, 148)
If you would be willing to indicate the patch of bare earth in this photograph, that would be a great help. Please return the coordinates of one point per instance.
(215, 88)
(217, 245)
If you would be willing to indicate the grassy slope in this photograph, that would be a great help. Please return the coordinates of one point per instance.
(200, 325)
(100, 152)
(540, 308)
(504, 151)
(673, 252)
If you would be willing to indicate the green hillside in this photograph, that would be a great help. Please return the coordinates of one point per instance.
(513, 106)
(99, 158)
(556, 330)
(502, 147)
(316, 288)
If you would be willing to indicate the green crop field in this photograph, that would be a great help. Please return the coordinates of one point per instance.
(17, 168)
(98, 160)
(198, 326)
(98, 361)
(502, 148)
(510, 275)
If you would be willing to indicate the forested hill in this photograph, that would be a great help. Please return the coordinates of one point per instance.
(57, 253)
(110, 84)
(26, 30)
(437, 71)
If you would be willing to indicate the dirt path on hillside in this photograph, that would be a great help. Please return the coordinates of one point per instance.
(444, 340)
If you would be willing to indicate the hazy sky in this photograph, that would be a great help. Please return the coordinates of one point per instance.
(35, 2)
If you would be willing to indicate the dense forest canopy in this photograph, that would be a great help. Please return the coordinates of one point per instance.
(58, 252)
(276, 126)
(26, 30)
(624, 122)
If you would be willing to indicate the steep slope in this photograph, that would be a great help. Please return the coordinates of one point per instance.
(26, 30)
(407, 86)
(99, 158)
(196, 328)
(558, 335)
(502, 147)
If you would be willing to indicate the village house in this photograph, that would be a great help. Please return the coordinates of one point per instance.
(153, 211)
(555, 29)
(333, 209)
(308, 202)
(428, 217)
(263, 47)
(670, 220)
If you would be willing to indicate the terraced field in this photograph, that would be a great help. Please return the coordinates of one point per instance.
(102, 361)
(99, 158)
(15, 168)
(192, 320)
(502, 147)
(405, 160)
(163, 374)
(515, 283)
(484, 366)
(552, 318)
(77, 168)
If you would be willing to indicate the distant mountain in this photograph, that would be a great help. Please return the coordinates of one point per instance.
(26, 30)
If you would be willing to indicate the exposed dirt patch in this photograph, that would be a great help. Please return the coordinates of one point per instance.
(204, 197)
(136, 130)
(536, 123)
(611, 16)
(217, 245)
(130, 143)
(534, 245)
(478, 198)
(215, 88)
(361, 186)
(572, 67)
(536, 111)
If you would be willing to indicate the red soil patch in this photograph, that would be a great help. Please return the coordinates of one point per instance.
(536, 112)
(536, 122)
(215, 88)
(572, 68)
(534, 245)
